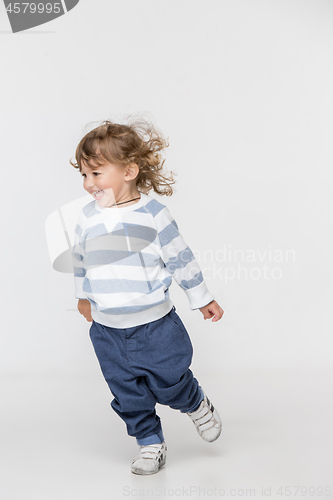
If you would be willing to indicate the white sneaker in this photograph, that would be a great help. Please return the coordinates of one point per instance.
(207, 420)
(150, 459)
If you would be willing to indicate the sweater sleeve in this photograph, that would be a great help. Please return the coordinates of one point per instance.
(78, 261)
(180, 261)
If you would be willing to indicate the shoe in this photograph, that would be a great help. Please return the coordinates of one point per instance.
(207, 420)
(150, 459)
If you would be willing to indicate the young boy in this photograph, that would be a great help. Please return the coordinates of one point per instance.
(127, 250)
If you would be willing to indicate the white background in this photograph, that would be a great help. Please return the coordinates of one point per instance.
(243, 91)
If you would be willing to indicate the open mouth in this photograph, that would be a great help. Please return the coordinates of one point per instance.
(97, 194)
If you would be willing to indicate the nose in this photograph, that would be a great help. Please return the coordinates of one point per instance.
(88, 183)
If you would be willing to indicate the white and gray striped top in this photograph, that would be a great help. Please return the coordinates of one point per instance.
(124, 260)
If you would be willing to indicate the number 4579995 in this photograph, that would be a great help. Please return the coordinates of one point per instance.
(34, 8)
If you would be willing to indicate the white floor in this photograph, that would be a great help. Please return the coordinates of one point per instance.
(60, 440)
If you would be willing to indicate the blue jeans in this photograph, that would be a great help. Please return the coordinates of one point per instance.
(144, 365)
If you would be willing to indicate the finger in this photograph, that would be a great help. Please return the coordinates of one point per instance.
(217, 317)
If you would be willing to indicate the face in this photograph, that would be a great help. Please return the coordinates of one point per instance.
(106, 184)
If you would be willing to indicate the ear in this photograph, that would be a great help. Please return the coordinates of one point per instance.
(131, 172)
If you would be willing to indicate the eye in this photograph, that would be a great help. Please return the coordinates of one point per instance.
(83, 175)
(96, 173)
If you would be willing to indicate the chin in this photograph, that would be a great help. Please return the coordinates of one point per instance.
(101, 203)
(105, 202)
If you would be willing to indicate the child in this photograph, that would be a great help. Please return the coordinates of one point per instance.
(127, 249)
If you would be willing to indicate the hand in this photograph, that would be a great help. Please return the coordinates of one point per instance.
(212, 309)
(84, 308)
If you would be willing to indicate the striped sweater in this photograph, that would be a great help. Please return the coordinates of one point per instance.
(124, 260)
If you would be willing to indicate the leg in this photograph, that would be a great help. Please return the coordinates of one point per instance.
(171, 380)
(166, 362)
(133, 400)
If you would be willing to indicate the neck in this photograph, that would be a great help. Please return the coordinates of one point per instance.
(127, 200)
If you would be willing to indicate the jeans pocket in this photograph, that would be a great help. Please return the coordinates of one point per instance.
(175, 319)
(170, 345)
(179, 327)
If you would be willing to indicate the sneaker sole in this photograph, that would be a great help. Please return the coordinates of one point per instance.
(140, 472)
(211, 440)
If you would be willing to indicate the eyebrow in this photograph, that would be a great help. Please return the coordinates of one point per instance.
(97, 167)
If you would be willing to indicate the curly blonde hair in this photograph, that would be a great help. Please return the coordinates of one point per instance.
(138, 142)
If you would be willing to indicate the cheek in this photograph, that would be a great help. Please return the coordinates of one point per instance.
(106, 184)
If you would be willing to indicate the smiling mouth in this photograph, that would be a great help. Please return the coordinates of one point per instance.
(97, 194)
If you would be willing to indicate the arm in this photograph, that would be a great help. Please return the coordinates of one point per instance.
(181, 264)
(83, 305)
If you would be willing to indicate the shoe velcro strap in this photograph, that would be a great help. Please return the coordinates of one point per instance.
(150, 450)
(204, 419)
(199, 413)
(206, 425)
(148, 454)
